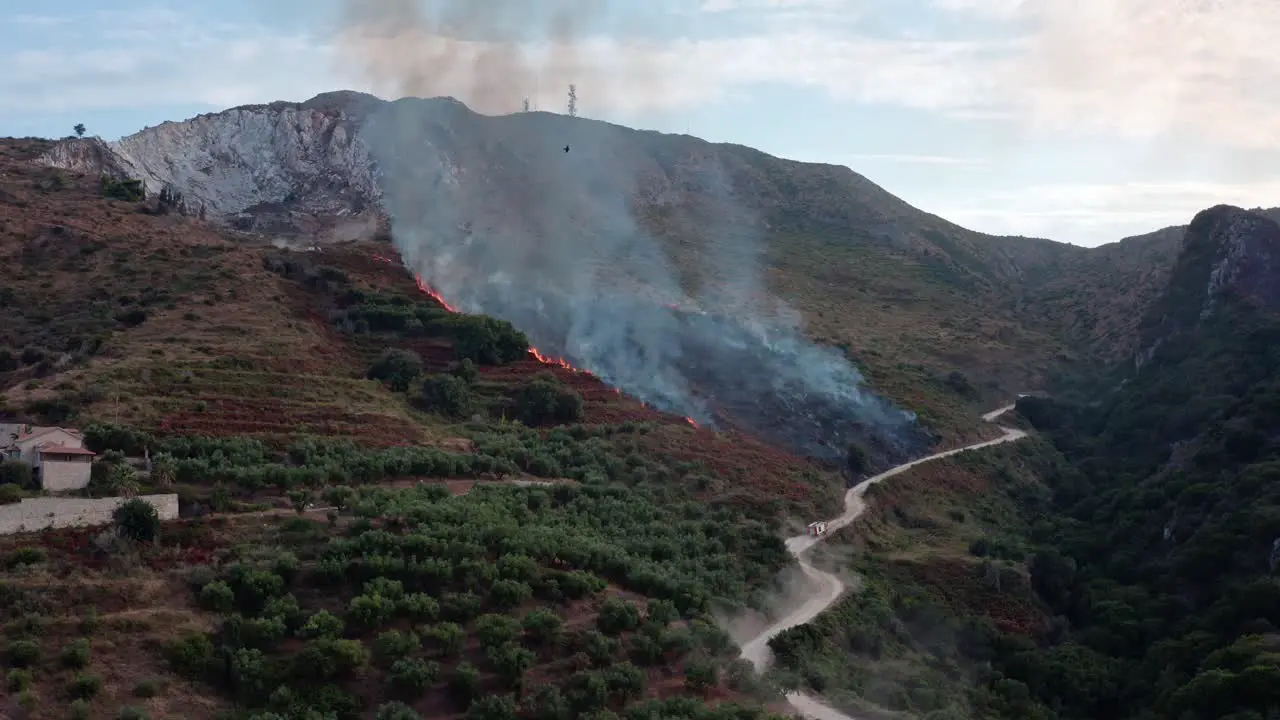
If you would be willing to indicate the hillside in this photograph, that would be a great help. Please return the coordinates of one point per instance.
(494, 522)
(1123, 565)
(673, 219)
(265, 383)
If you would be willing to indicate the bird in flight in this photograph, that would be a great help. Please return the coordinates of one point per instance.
(566, 148)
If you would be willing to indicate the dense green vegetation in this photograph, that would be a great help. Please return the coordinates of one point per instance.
(587, 454)
(1160, 554)
(1145, 539)
(479, 338)
(455, 599)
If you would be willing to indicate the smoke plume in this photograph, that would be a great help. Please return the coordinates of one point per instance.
(492, 54)
(496, 216)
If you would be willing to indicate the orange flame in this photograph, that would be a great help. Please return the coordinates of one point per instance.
(435, 295)
(537, 355)
(549, 360)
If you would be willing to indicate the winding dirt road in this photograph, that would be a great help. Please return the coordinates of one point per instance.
(827, 588)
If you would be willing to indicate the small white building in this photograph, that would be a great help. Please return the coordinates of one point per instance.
(57, 455)
(818, 527)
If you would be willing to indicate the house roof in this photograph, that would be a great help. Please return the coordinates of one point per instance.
(64, 450)
(40, 432)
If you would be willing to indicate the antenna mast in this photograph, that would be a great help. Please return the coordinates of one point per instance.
(573, 101)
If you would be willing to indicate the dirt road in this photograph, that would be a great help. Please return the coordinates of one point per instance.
(827, 588)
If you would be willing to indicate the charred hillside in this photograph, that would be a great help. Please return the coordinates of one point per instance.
(859, 267)
(497, 219)
(494, 214)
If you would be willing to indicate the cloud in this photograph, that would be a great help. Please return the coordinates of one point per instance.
(108, 60)
(40, 21)
(1140, 69)
(917, 159)
(1133, 68)
(1096, 213)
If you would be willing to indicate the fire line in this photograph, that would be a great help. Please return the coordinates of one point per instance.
(537, 355)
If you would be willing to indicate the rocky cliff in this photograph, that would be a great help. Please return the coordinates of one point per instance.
(1226, 251)
(480, 205)
(277, 168)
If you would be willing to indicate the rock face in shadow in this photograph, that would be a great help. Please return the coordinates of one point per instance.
(1226, 251)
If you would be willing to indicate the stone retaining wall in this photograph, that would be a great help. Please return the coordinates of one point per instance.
(42, 513)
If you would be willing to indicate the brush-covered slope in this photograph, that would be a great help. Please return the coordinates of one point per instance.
(911, 297)
(478, 532)
(128, 314)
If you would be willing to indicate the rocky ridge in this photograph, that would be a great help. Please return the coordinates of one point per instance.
(1225, 250)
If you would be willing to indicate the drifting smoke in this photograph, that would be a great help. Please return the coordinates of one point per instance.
(492, 54)
(549, 241)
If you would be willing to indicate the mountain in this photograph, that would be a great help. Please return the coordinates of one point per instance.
(941, 319)
(414, 514)
(1122, 564)
(388, 508)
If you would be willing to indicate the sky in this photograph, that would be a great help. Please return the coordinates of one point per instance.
(1084, 121)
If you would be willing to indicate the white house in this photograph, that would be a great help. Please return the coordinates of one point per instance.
(56, 455)
(818, 527)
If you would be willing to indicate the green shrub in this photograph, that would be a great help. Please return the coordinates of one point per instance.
(18, 679)
(16, 472)
(126, 189)
(466, 371)
(23, 653)
(396, 710)
(323, 625)
(509, 594)
(418, 607)
(137, 519)
(543, 401)
(27, 556)
(80, 709)
(700, 674)
(192, 655)
(10, 494)
(487, 341)
(447, 637)
(511, 661)
(370, 611)
(397, 368)
(496, 629)
(75, 654)
(393, 644)
(85, 686)
(493, 707)
(465, 683)
(617, 616)
(113, 478)
(411, 677)
(447, 395)
(541, 626)
(146, 689)
(218, 597)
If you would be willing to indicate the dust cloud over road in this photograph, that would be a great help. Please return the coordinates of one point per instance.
(826, 588)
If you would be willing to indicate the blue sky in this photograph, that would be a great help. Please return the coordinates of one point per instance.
(1079, 120)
